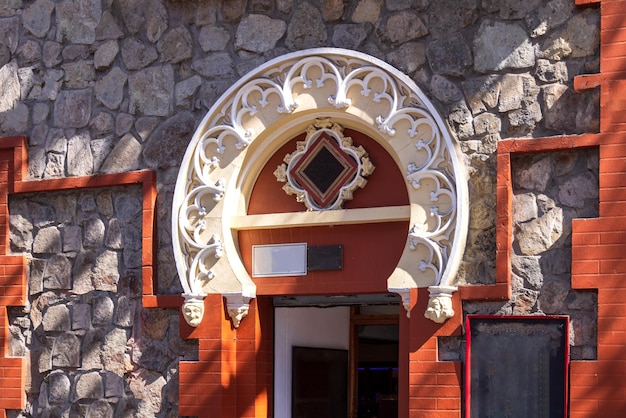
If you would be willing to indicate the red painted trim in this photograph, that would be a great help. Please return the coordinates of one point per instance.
(501, 290)
(498, 291)
(587, 81)
(13, 280)
(88, 182)
(554, 143)
(145, 178)
(467, 378)
(162, 301)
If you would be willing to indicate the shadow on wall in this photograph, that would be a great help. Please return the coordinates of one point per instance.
(550, 189)
(93, 348)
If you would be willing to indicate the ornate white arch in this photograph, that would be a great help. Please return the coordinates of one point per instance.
(269, 106)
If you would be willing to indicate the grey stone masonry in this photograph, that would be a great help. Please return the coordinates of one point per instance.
(80, 328)
(119, 85)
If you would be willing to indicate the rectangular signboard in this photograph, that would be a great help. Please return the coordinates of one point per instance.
(516, 366)
(279, 260)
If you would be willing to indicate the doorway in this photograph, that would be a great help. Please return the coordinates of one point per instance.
(340, 359)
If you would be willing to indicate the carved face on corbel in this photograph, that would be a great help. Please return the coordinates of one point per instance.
(439, 308)
(193, 311)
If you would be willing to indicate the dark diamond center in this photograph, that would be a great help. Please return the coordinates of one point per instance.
(323, 169)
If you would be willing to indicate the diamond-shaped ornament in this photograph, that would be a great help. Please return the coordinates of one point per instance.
(326, 170)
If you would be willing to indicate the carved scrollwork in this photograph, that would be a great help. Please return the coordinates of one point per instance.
(342, 86)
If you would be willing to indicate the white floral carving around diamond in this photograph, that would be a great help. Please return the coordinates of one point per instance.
(326, 168)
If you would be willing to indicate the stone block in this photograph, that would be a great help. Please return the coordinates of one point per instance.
(176, 45)
(155, 323)
(66, 351)
(151, 91)
(259, 33)
(79, 74)
(102, 310)
(367, 11)
(9, 87)
(349, 36)
(47, 241)
(114, 354)
(94, 230)
(106, 271)
(81, 316)
(110, 88)
(72, 238)
(21, 233)
(449, 16)
(137, 55)
(57, 273)
(59, 387)
(93, 344)
(450, 55)
(405, 26)
(213, 38)
(100, 409)
(125, 156)
(105, 54)
(306, 28)
(88, 386)
(499, 45)
(122, 315)
(166, 146)
(113, 238)
(56, 318)
(72, 108)
(77, 20)
(79, 156)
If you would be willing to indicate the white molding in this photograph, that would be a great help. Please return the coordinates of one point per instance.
(405, 297)
(280, 99)
(328, 217)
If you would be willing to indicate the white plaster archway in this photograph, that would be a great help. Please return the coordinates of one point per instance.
(270, 105)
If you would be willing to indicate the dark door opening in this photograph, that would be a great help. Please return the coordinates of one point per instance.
(374, 364)
(320, 383)
(357, 380)
(377, 371)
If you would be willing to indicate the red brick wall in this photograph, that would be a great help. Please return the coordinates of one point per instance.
(233, 375)
(12, 280)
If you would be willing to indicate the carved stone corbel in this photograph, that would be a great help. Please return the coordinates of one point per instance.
(440, 303)
(405, 295)
(237, 307)
(193, 309)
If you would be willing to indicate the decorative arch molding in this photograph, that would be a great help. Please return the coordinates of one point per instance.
(269, 106)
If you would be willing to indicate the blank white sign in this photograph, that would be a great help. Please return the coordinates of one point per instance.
(279, 260)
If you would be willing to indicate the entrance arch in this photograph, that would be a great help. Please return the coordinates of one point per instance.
(275, 103)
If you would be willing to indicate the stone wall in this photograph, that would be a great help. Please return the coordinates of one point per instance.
(118, 85)
(94, 351)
